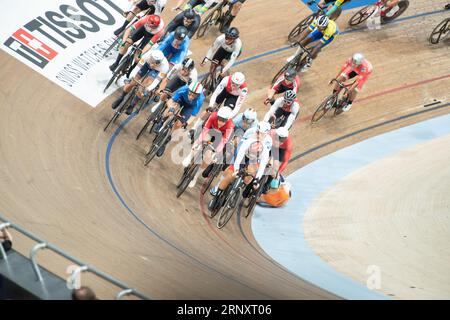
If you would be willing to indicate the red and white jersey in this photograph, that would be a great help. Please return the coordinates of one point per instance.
(364, 70)
(157, 31)
(281, 85)
(226, 84)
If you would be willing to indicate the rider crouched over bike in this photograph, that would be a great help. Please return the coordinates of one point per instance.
(284, 111)
(153, 67)
(253, 156)
(356, 66)
(149, 28)
(217, 130)
(188, 19)
(289, 80)
(322, 29)
(187, 100)
(231, 91)
(225, 49)
(176, 45)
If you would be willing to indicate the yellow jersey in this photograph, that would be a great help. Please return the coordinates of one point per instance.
(330, 31)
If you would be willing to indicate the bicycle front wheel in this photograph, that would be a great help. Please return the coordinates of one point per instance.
(323, 108)
(362, 15)
(441, 31)
(299, 28)
(230, 205)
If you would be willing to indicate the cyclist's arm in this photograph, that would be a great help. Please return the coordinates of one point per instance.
(205, 132)
(292, 116)
(234, 55)
(222, 86)
(335, 6)
(216, 45)
(242, 149)
(265, 157)
(239, 101)
(153, 40)
(177, 21)
(271, 111)
(226, 136)
(194, 26)
(166, 42)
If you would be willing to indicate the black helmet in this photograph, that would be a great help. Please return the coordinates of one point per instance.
(181, 33)
(232, 33)
(290, 74)
(188, 63)
(189, 14)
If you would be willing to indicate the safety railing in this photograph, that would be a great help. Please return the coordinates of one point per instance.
(41, 244)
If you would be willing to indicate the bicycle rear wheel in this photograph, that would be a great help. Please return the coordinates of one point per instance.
(402, 6)
(230, 205)
(441, 30)
(362, 15)
(209, 21)
(299, 28)
(323, 108)
(187, 178)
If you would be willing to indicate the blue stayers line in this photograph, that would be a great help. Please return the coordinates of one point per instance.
(113, 186)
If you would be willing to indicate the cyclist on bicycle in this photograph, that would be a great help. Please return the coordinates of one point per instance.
(188, 19)
(200, 6)
(225, 49)
(322, 29)
(154, 7)
(254, 155)
(288, 81)
(155, 68)
(180, 75)
(149, 28)
(284, 111)
(217, 130)
(282, 147)
(189, 100)
(356, 66)
(175, 46)
(231, 91)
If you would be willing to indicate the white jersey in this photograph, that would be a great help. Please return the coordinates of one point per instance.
(192, 77)
(162, 70)
(278, 104)
(255, 150)
(234, 49)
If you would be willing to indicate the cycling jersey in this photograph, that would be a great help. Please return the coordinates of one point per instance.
(363, 71)
(326, 35)
(235, 49)
(226, 131)
(157, 73)
(225, 86)
(178, 22)
(279, 108)
(157, 32)
(190, 107)
(174, 52)
(281, 85)
(256, 150)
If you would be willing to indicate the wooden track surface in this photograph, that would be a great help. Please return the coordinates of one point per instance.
(53, 177)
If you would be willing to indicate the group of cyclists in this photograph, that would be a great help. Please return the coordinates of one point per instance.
(224, 131)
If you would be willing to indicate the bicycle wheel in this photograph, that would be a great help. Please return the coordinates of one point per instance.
(323, 108)
(282, 70)
(440, 31)
(207, 84)
(187, 178)
(150, 119)
(230, 205)
(255, 196)
(402, 6)
(362, 15)
(118, 73)
(209, 21)
(114, 44)
(212, 175)
(159, 141)
(299, 28)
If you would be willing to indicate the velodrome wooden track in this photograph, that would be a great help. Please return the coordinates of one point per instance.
(53, 177)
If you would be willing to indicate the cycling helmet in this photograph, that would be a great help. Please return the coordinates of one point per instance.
(264, 127)
(238, 78)
(357, 59)
(290, 74)
(180, 33)
(322, 21)
(249, 115)
(232, 33)
(224, 113)
(282, 132)
(156, 56)
(188, 63)
(153, 21)
(189, 14)
(196, 87)
(289, 96)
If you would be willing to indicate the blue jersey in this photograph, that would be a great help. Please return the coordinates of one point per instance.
(174, 54)
(189, 106)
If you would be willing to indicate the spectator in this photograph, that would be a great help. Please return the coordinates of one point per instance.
(5, 240)
(83, 293)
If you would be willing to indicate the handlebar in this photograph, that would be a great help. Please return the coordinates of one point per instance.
(212, 61)
(342, 85)
(304, 49)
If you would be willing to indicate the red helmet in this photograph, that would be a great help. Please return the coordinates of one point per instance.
(153, 21)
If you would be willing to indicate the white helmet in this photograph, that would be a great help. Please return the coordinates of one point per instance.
(156, 56)
(282, 132)
(249, 115)
(357, 59)
(322, 21)
(225, 113)
(238, 78)
(196, 87)
(264, 127)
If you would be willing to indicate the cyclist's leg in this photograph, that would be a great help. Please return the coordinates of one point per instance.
(142, 5)
(353, 93)
(136, 36)
(234, 10)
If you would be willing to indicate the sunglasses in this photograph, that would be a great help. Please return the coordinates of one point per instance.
(229, 39)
